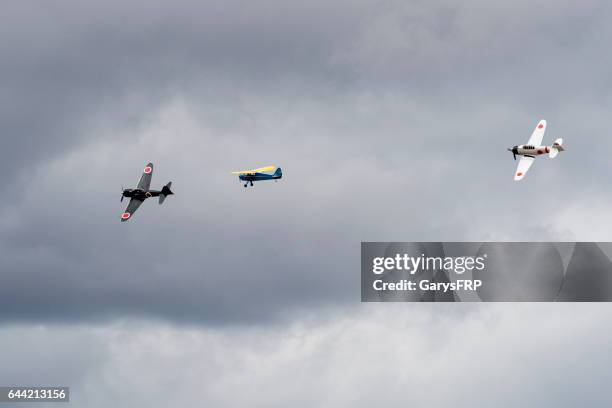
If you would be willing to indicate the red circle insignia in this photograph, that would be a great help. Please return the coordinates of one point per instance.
(125, 216)
(519, 174)
(147, 170)
(540, 126)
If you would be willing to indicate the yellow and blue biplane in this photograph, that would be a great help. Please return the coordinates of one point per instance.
(262, 173)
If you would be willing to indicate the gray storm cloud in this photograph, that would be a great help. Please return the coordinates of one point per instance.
(389, 119)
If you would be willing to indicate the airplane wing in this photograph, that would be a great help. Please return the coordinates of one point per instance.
(523, 165)
(131, 209)
(145, 180)
(259, 170)
(538, 134)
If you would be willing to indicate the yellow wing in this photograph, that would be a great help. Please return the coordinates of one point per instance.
(259, 170)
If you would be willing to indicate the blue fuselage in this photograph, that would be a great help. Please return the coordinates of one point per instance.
(259, 177)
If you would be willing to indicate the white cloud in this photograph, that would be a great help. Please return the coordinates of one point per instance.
(382, 354)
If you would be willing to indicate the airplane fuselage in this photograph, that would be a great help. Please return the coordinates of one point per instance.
(139, 194)
(258, 177)
(530, 151)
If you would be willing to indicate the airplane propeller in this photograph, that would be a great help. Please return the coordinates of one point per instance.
(513, 153)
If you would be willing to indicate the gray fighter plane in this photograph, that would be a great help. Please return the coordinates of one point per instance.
(139, 194)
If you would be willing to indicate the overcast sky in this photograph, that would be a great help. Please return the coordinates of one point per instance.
(390, 120)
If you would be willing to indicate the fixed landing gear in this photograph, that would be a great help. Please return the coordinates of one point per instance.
(247, 183)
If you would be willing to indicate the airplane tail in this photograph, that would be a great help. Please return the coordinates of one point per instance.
(278, 173)
(556, 148)
(165, 193)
